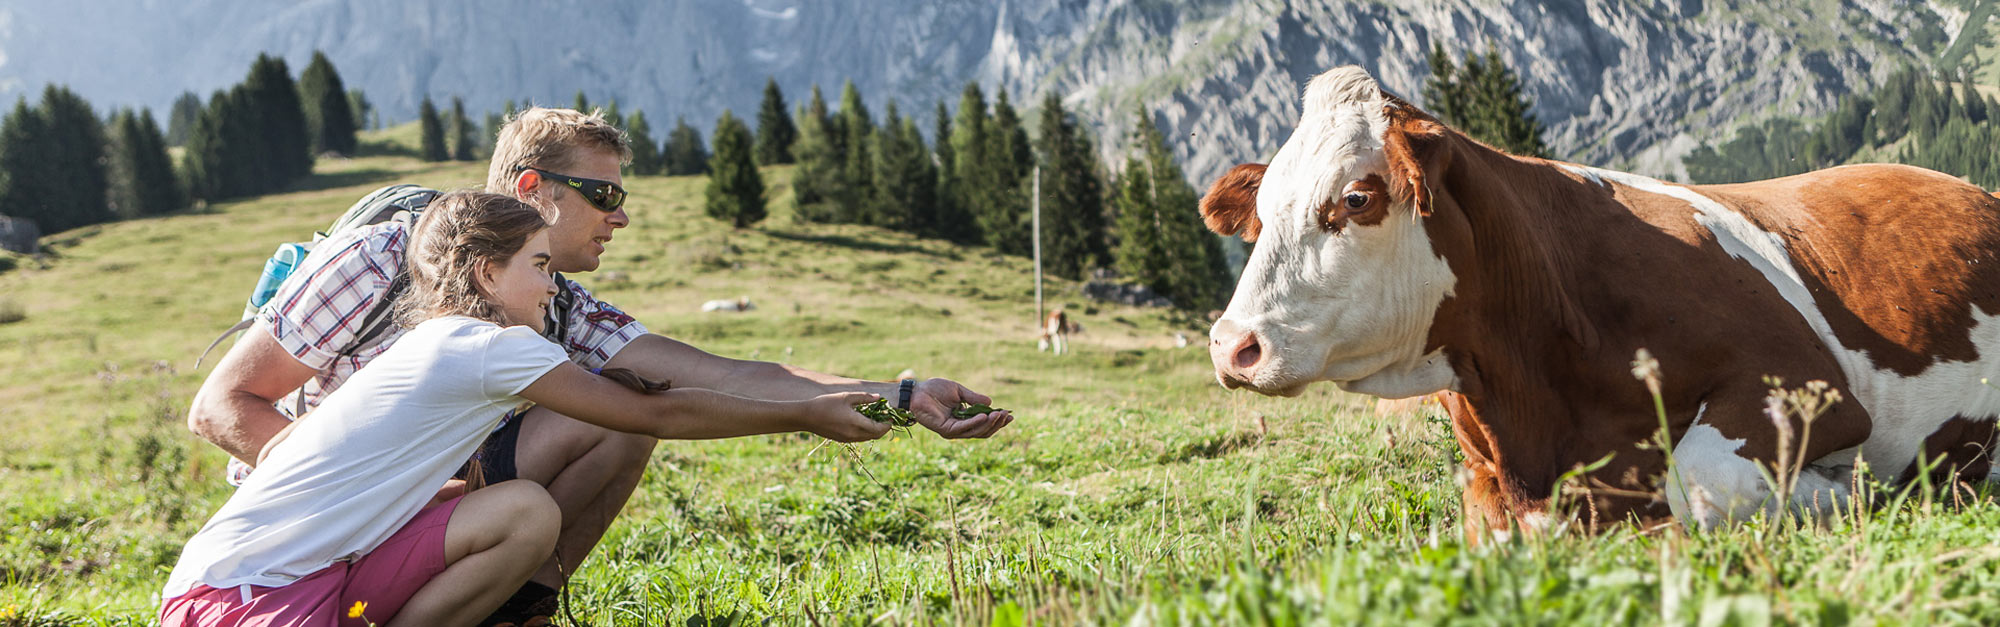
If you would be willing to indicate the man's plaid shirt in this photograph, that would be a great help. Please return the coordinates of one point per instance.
(318, 311)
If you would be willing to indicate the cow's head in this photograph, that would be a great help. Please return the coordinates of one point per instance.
(1344, 282)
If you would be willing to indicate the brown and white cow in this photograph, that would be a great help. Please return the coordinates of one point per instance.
(1396, 257)
(1056, 328)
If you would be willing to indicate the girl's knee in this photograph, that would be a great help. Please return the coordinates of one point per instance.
(519, 507)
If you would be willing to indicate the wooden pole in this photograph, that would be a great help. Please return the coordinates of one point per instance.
(1037, 204)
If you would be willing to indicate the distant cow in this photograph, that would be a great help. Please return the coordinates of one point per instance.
(1056, 328)
(739, 305)
(1396, 257)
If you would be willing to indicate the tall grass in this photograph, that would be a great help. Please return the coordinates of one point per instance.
(1131, 490)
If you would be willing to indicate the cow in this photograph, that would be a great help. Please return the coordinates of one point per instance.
(1396, 257)
(1055, 331)
(741, 304)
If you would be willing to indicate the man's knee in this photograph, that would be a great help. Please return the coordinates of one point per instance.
(552, 444)
(629, 452)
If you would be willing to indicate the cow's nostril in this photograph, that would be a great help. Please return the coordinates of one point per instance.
(1249, 353)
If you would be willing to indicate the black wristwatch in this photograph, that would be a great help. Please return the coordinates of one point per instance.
(903, 391)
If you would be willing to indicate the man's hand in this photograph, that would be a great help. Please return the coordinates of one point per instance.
(934, 401)
(832, 416)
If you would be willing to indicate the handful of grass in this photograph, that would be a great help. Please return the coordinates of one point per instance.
(879, 410)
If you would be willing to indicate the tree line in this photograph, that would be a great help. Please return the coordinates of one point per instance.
(972, 182)
(1911, 118)
(63, 167)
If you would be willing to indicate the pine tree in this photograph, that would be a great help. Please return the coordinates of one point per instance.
(857, 172)
(490, 134)
(1196, 274)
(53, 163)
(905, 188)
(775, 131)
(645, 153)
(281, 137)
(1003, 213)
(612, 115)
(969, 145)
(28, 182)
(180, 119)
(329, 118)
(141, 176)
(1141, 253)
(1161, 241)
(949, 220)
(461, 131)
(735, 189)
(1443, 96)
(1483, 99)
(1073, 230)
(433, 145)
(363, 110)
(684, 152)
(582, 103)
(819, 162)
(205, 159)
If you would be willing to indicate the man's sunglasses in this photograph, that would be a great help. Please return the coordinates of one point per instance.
(606, 196)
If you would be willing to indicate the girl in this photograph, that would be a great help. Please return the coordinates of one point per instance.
(334, 526)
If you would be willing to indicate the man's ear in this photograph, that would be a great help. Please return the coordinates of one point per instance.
(526, 184)
(1230, 207)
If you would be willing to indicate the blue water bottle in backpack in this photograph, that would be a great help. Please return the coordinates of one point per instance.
(276, 268)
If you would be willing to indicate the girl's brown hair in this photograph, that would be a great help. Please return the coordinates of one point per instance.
(460, 232)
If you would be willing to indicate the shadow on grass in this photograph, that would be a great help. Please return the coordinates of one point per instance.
(383, 148)
(845, 241)
(351, 178)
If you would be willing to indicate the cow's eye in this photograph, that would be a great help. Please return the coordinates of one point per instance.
(1356, 200)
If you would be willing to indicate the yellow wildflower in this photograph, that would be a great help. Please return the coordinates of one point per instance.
(359, 607)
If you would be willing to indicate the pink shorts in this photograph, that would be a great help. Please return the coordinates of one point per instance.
(385, 579)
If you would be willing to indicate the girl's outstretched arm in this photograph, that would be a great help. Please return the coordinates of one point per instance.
(698, 414)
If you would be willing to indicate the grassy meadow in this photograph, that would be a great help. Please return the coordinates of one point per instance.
(1131, 490)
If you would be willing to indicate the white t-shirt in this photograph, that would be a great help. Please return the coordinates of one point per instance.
(373, 454)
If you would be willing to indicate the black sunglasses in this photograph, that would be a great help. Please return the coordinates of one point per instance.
(606, 196)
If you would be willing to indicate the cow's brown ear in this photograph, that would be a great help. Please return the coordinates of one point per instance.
(1414, 145)
(1230, 208)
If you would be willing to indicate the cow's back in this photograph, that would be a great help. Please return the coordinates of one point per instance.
(1898, 269)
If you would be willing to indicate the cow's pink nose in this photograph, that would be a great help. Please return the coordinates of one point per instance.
(1248, 353)
(1235, 352)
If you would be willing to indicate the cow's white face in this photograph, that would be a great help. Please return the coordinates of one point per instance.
(1343, 283)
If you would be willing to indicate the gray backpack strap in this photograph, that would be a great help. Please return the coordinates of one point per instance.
(239, 327)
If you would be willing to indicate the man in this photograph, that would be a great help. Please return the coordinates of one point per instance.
(300, 349)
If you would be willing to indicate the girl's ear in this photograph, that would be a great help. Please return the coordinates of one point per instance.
(484, 274)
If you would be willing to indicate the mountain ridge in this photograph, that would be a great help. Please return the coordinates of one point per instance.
(1618, 83)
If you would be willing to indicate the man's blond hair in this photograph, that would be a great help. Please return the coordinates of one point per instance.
(551, 139)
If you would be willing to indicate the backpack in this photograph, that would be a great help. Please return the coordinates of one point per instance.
(401, 203)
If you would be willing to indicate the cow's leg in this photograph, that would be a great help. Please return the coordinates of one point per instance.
(1485, 513)
(1723, 464)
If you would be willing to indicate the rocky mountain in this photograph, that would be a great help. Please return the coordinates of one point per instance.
(1621, 83)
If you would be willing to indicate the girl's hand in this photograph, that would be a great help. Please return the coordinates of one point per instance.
(832, 416)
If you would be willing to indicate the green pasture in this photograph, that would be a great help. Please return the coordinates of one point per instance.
(1130, 491)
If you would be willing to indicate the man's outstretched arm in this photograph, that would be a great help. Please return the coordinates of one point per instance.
(676, 362)
(234, 409)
